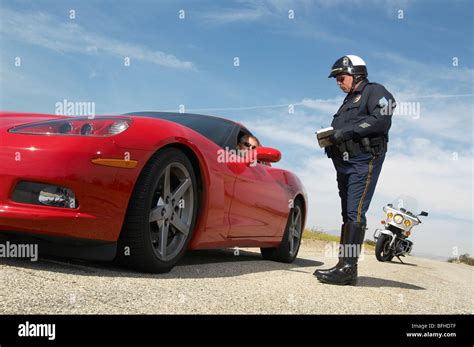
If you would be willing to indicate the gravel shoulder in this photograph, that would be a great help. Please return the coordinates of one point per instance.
(222, 282)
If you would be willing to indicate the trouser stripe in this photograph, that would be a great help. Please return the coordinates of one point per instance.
(367, 183)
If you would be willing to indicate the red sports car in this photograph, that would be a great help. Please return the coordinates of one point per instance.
(143, 188)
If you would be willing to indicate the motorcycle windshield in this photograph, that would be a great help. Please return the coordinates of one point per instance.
(409, 203)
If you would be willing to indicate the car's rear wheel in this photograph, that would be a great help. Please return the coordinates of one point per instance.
(161, 214)
(288, 249)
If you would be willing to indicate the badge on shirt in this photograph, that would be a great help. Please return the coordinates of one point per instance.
(357, 98)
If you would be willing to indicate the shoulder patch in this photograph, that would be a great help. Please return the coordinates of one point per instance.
(383, 102)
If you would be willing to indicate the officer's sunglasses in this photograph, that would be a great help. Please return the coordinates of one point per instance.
(341, 78)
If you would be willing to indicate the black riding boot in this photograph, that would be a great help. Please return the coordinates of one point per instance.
(347, 273)
(340, 263)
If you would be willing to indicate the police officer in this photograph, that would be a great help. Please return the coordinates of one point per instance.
(357, 149)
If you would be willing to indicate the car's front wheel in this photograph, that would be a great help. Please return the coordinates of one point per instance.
(161, 214)
(288, 249)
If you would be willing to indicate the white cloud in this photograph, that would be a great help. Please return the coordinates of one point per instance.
(448, 121)
(307, 5)
(329, 106)
(274, 14)
(424, 73)
(227, 16)
(440, 181)
(42, 30)
(305, 136)
(444, 94)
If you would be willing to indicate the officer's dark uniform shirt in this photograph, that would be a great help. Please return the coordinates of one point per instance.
(365, 112)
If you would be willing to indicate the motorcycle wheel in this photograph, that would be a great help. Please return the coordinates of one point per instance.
(382, 248)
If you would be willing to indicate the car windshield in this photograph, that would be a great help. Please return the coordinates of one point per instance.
(214, 128)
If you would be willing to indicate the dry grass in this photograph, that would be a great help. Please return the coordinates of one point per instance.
(463, 258)
(314, 234)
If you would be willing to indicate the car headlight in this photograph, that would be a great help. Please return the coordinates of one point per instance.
(101, 126)
(398, 218)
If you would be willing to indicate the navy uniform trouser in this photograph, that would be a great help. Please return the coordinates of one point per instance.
(356, 180)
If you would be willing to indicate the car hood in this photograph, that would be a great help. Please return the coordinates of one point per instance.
(11, 119)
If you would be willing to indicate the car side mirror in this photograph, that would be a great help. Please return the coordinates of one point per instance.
(424, 214)
(268, 154)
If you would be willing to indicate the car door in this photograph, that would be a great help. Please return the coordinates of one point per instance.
(259, 205)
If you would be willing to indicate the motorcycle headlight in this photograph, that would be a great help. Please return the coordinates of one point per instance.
(407, 223)
(390, 215)
(398, 218)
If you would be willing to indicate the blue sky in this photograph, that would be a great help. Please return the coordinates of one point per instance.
(283, 61)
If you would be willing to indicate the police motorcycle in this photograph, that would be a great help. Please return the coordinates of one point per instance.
(392, 241)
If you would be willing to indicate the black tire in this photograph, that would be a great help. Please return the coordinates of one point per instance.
(141, 240)
(285, 252)
(382, 253)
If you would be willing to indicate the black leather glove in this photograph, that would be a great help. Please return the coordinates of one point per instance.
(337, 137)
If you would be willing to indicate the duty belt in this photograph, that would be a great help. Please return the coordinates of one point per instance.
(375, 145)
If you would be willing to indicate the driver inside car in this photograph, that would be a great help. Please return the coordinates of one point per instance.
(247, 143)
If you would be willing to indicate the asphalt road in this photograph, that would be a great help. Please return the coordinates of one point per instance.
(222, 282)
